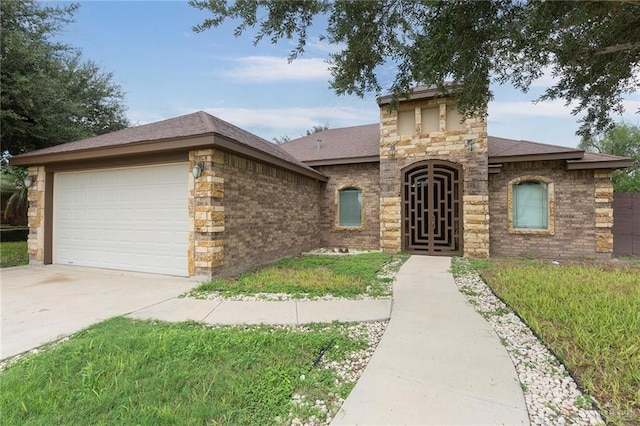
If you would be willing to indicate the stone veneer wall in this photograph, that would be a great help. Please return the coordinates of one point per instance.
(259, 214)
(603, 192)
(582, 213)
(206, 213)
(449, 145)
(366, 177)
(35, 216)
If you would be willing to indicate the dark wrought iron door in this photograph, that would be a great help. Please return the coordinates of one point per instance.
(432, 208)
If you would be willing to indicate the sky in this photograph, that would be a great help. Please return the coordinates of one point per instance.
(168, 70)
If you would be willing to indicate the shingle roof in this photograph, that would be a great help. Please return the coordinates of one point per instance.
(337, 146)
(187, 126)
(361, 144)
(502, 147)
(348, 142)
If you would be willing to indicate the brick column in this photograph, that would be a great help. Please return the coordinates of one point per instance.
(476, 225)
(35, 216)
(603, 193)
(206, 213)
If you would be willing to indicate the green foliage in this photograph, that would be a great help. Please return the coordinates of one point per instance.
(13, 253)
(49, 94)
(312, 276)
(132, 372)
(12, 186)
(622, 140)
(592, 48)
(316, 129)
(309, 132)
(281, 139)
(589, 316)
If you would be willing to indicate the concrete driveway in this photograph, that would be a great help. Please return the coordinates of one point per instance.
(40, 304)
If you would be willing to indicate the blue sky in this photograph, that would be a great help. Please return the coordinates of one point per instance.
(168, 70)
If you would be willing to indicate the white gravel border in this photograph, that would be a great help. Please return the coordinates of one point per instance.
(551, 395)
(348, 370)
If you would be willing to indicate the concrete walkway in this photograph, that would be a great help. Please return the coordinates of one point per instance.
(266, 312)
(439, 362)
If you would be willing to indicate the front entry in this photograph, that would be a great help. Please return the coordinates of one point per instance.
(432, 208)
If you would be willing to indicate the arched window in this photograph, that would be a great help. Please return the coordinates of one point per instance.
(531, 203)
(350, 207)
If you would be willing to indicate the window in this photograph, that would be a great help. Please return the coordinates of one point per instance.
(454, 119)
(531, 205)
(350, 208)
(430, 120)
(406, 122)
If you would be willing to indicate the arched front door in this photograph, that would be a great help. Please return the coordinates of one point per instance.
(432, 208)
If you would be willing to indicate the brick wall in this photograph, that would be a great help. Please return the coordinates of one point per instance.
(269, 213)
(366, 177)
(576, 227)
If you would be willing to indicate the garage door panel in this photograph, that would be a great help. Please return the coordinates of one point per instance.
(129, 218)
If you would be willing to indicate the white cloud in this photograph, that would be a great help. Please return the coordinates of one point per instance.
(275, 68)
(293, 122)
(502, 110)
(323, 46)
(140, 117)
(546, 80)
(631, 110)
(553, 109)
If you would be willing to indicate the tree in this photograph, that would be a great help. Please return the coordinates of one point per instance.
(623, 140)
(281, 139)
(12, 184)
(50, 95)
(316, 129)
(592, 48)
(311, 131)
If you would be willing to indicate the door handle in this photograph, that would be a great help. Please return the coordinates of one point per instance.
(433, 221)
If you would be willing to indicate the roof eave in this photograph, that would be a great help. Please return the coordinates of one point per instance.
(339, 161)
(424, 93)
(495, 168)
(163, 146)
(573, 155)
(605, 164)
(142, 147)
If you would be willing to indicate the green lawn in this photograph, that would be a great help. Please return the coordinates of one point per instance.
(123, 371)
(312, 276)
(587, 314)
(13, 254)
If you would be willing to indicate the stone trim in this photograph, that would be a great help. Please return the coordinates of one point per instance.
(35, 216)
(206, 213)
(337, 226)
(550, 205)
(603, 199)
(475, 223)
(390, 224)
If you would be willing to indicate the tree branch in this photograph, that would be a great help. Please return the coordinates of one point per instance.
(617, 48)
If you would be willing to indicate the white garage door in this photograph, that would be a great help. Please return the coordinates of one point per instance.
(133, 218)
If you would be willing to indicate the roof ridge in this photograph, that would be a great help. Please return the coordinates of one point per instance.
(537, 143)
(205, 118)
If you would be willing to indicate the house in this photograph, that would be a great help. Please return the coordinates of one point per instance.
(197, 196)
